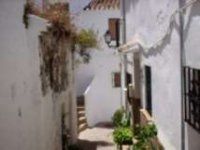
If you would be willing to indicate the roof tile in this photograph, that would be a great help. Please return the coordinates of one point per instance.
(103, 5)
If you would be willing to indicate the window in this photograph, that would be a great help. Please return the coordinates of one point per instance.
(148, 89)
(192, 97)
(113, 25)
(116, 79)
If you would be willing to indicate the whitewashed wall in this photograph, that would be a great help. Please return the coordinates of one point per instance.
(192, 53)
(28, 121)
(150, 19)
(52, 103)
(104, 99)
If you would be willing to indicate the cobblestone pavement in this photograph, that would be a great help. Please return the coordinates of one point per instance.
(97, 138)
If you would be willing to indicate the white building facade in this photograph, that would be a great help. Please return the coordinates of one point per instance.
(165, 41)
(28, 119)
(95, 80)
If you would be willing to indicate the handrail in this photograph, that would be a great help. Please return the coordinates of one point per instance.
(88, 87)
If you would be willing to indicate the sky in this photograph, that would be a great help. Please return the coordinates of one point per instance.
(77, 5)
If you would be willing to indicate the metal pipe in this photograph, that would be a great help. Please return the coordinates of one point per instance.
(123, 3)
(123, 57)
(182, 63)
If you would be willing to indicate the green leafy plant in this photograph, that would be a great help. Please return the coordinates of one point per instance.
(144, 137)
(126, 120)
(118, 116)
(85, 40)
(123, 135)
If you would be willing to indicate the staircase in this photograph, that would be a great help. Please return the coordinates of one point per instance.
(82, 121)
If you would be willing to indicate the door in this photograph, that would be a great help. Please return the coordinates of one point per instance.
(148, 89)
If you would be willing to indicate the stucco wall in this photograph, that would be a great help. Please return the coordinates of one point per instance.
(28, 120)
(149, 20)
(192, 59)
(104, 98)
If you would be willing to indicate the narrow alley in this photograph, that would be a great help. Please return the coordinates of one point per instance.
(100, 75)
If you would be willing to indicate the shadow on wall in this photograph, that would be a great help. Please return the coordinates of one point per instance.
(83, 84)
(194, 12)
(193, 17)
(158, 49)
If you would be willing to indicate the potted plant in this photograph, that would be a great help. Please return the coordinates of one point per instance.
(144, 136)
(120, 118)
(123, 136)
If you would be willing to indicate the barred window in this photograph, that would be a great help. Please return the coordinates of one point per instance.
(192, 97)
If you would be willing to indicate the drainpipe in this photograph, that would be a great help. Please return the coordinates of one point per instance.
(182, 64)
(123, 58)
(123, 3)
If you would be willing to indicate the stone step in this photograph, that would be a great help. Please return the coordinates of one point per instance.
(82, 120)
(81, 114)
(82, 127)
(80, 108)
(80, 100)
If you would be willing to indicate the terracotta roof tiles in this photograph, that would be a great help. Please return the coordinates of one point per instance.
(103, 5)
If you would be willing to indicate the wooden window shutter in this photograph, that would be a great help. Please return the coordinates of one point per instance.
(113, 28)
(116, 79)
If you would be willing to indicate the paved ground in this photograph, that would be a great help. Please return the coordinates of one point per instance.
(97, 138)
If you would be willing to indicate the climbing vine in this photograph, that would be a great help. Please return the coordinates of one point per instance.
(55, 47)
(53, 56)
(57, 43)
